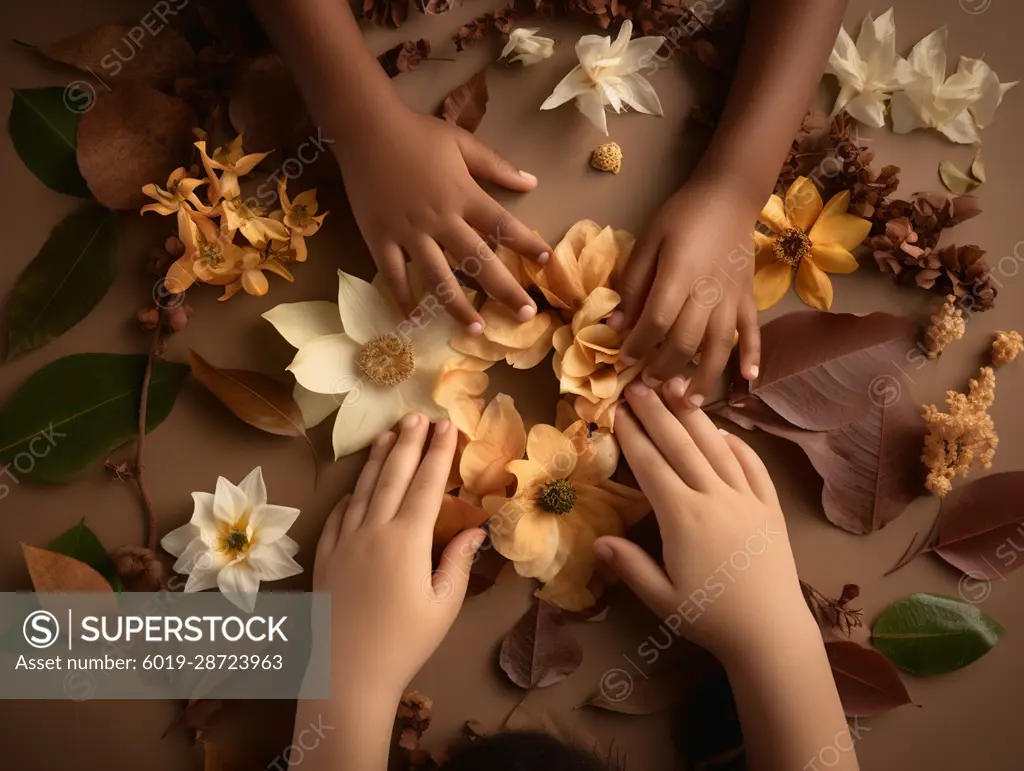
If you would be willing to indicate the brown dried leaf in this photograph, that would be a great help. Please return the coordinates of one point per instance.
(642, 693)
(404, 57)
(466, 105)
(132, 136)
(867, 683)
(540, 650)
(53, 572)
(955, 180)
(115, 53)
(265, 106)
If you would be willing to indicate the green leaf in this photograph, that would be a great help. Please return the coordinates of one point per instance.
(81, 543)
(44, 128)
(931, 634)
(65, 281)
(75, 410)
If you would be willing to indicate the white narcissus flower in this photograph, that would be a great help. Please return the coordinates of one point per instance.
(868, 70)
(364, 356)
(957, 106)
(235, 540)
(609, 74)
(528, 46)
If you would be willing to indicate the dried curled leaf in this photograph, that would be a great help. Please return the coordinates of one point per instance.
(867, 683)
(404, 57)
(540, 651)
(466, 105)
(132, 136)
(53, 572)
(978, 168)
(955, 180)
(117, 53)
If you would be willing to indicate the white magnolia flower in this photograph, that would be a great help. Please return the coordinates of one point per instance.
(868, 71)
(528, 46)
(364, 356)
(609, 74)
(234, 540)
(957, 106)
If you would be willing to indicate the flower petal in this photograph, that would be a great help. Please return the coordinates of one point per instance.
(176, 541)
(365, 312)
(327, 365)
(598, 305)
(771, 284)
(813, 286)
(597, 260)
(254, 487)
(502, 425)
(272, 562)
(547, 446)
(576, 363)
(370, 412)
(502, 327)
(803, 203)
(458, 391)
(833, 258)
(774, 215)
(603, 382)
(571, 86)
(239, 582)
(845, 230)
(301, 323)
(203, 567)
(549, 560)
(456, 515)
(589, 103)
(229, 502)
(529, 539)
(269, 522)
(483, 468)
(315, 407)
(536, 353)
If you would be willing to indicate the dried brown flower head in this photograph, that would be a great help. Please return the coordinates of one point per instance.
(947, 324)
(964, 435)
(138, 567)
(1005, 347)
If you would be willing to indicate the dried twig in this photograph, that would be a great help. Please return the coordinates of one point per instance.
(833, 614)
(147, 502)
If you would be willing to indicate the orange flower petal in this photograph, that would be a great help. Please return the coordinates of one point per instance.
(597, 260)
(603, 383)
(483, 468)
(813, 286)
(563, 338)
(629, 503)
(479, 347)
(576, 363)
(598, 305)
(551, 559)
(774, 215)
(458, 391)
(529, 475)
(764, 254)
(536, 353)
(832, 258)
(502, 425)
(771, 284)
(803, 203)
(844, 230)
(552, 450)
(455, 516)
(255, 283)
(502, 327)
(598, 453)
(530, 537)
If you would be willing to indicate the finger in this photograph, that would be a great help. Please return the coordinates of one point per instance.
(329, 535)
(446, 287)
(659, 315)
(757, 475)
(423, 501)
(474, 257)
(502, 229)
(718, 342)
(705, 434)
(635, 283)
(486, 163)
(398, 471)
(671, 438)
(659, 481)
(390, 262)
(451, 579)
(750, 337)
(640, 573)
(360, 500)
(681, 344)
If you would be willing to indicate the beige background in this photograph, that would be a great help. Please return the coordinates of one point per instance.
(968, 719)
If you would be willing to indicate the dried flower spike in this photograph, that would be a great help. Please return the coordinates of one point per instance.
(1005, 347)
(947, 324)
(607, 157)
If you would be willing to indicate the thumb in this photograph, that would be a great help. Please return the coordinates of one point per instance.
(451, 578)
(484, 162)
(640, 573)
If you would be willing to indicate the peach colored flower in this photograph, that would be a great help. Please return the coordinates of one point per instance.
(232, 163)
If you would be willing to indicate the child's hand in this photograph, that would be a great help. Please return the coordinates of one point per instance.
(729, 578)
(688, 286)
(388, 611)
(410, 182)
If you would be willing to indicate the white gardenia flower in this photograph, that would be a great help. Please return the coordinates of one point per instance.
(234, 541)
(366, 358)
(528, 46)
(868, 72)
(609, 74)
(957, 106)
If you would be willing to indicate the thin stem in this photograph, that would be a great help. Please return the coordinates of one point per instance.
(147, 502)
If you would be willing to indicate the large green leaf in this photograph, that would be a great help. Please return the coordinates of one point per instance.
(75, 410)
(81, 543)
(931, 634)
(44, 128)
(65, 281)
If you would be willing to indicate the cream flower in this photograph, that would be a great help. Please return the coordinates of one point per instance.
(363, 356)
(609, 74)
(234, 541)
(808, 237)
(957, 106)
(867, 71)
(528, 47)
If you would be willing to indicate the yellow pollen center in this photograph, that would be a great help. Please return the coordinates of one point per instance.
(558, 497)
(236, 541)
(792, 246)
(211, 254)
(387, 360)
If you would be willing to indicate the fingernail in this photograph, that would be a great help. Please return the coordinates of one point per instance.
(475, 329)
(628, 361)
(478, 541)
(723, 432)
(441, 427)
(638, 388)
(603, 551)
(651, 380)
(676, 387)
(754, 372)
(696, 400)
(542, 258)
(616, 319)
(526, 313)
(528, 176)
(411, 420)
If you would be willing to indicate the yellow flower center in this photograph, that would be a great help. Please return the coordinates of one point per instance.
(792, 246)
(300, 213)
(211, 255)
(387, 360)
(236, 541)
(558, 497)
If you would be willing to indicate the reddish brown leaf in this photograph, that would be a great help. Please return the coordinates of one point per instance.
(642, 693)
(132, 136)
(871, 466)
(404, 57)
(981, 526)
(117, 53)
(821, 371)
(466, 105)
(487, 566)
(867, 683)
(53, 572)
(540, 650)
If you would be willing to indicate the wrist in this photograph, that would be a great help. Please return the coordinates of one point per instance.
(746, 193)
(781, 642)
(359, 130)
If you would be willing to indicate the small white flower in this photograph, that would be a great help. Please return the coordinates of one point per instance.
(609, 74)
(234, 540)
(528, 46)
(868, 71)
(957, 106)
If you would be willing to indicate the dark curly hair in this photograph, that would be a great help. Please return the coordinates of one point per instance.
(523, 751)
